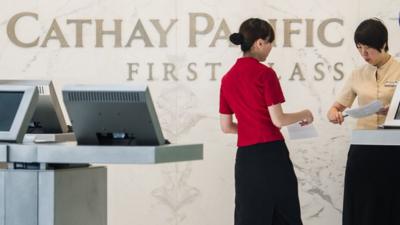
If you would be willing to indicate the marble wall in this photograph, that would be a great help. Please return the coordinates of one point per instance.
(180, 49)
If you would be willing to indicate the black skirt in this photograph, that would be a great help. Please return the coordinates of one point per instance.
(372, 186)
(266, 186)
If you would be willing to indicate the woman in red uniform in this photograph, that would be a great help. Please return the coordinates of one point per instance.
(265, 182)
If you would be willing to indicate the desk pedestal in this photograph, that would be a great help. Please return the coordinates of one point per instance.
(75, 196)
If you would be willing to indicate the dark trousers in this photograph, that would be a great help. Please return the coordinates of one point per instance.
(266, 186)
(372, 186)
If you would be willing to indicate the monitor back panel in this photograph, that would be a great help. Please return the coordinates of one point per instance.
(97, 114)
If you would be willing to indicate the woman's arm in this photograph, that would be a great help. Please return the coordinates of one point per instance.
(335, 113)
(280, 119)
(227, 124)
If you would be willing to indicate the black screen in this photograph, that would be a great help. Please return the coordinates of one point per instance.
(397, 116)
(9, 103)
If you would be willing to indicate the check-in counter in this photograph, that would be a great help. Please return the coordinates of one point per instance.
(376, 137)
(54, 184)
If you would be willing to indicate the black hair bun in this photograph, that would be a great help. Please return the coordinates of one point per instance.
(236, 38)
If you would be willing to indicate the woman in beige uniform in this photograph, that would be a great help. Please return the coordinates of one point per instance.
(372, 179)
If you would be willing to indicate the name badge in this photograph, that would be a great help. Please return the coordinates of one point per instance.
(390, 83)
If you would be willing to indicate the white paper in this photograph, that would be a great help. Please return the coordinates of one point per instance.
(296, 131)
(366, 110)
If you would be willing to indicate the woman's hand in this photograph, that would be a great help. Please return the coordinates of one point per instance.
(308, 117)
(335, 115)
(383, 111)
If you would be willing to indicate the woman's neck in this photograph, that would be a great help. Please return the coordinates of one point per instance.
(249, 54)
(384, 60)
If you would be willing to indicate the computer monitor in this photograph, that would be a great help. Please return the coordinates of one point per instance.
(112, 115)
(393, 115)
(48, 117)
(17, 104)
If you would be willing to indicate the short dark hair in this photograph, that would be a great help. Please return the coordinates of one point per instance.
(250, 31)
(372, 32)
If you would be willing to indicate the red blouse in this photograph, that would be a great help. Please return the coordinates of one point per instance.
(247, 90)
